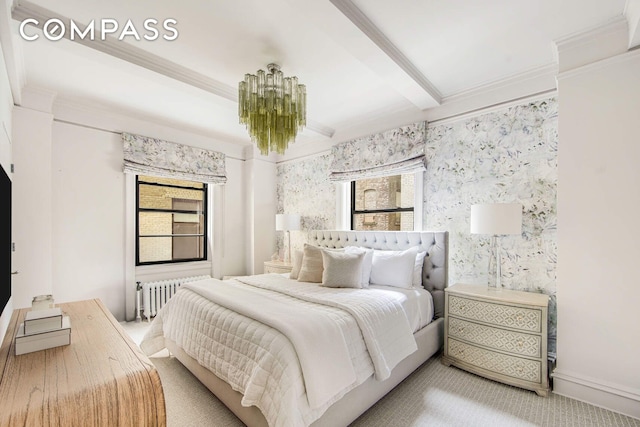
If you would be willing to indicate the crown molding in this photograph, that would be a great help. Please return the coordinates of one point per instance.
(12, 53)
(101, 117)
(38, 98)
(134, 55)
(600, 42)
(540, 81)
(632, 13)
(585, 69)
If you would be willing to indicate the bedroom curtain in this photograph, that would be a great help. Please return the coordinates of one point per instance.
(392, 152)
(151, 156)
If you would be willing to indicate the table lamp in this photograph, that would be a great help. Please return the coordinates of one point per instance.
(496, 219)
(288, 222)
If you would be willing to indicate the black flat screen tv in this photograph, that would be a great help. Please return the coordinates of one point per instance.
(5, 240)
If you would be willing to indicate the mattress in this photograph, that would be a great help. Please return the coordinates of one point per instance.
(259, 361)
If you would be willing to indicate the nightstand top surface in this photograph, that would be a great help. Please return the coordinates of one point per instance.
(278, 263)
(513, 296)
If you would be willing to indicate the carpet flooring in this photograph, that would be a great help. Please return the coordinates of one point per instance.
(434, 395)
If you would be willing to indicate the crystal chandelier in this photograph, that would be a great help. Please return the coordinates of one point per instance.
(273, 108)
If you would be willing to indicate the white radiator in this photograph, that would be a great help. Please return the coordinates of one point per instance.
(156, 294)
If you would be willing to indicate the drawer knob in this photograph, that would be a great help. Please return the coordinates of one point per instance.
(520, 317)
(460, 330)
(520, 343)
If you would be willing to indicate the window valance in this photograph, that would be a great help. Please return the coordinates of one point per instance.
(151, 156)
(392, 152)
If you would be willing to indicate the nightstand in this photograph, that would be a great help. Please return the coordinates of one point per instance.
(498, 334)
(277, 267)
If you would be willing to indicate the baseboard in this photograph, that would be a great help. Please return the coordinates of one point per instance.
(590, 390)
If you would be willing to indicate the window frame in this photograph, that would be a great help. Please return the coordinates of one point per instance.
(354, 212)
(205, 213)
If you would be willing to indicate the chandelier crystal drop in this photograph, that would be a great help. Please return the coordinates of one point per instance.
(273, 108)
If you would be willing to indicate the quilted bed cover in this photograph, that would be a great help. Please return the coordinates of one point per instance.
(259, 360)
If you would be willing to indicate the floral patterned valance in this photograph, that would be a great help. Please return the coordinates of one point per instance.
(151, 156)
(393, 152)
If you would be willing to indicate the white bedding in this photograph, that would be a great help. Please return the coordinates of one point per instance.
(259, 361)
(417, 303)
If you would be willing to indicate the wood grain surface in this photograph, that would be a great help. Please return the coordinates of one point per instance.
(101, 379)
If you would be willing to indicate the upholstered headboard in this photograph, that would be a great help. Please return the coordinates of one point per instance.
(436, 243)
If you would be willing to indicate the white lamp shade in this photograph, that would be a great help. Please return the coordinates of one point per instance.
(496, 218)
(287, 222)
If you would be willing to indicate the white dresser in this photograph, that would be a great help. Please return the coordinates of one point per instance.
(498, 334)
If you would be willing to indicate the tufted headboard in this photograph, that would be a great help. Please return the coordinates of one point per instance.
(436, 243)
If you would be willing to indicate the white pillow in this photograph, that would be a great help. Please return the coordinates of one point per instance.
(393, 268)
(417, 269)
(342, 270)
(297, 264)
(366, 262)
(311, 268)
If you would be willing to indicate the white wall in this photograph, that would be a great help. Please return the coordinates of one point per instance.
(260, 199)
(71, 209)
(32, 205)
(233, 225)
(88, 216)
(6, 106)
(598, 203)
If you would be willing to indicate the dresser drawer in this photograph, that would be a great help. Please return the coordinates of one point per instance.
(512, 366)
(525, 319)
(499, 339)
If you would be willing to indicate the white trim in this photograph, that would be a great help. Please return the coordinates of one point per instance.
(632, 13)
(12, 52)
(343, 205)
(627, 56)
(130, 246)
(493, 108)
(607, 395)
(418, 200)
(585, 47)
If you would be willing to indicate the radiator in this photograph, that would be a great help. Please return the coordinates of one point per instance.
(156, 294)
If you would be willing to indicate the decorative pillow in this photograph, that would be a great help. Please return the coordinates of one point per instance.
(311, 268)
(366, 262)
(393, 268)
(297, 263)
(342, 270)
(417, 269)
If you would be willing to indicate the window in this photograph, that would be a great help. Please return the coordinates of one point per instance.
(385, 203)
(171, 222)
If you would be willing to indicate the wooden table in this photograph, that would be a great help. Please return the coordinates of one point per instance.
(101, 379)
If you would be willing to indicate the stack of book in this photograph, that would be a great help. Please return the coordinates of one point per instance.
(43, 329)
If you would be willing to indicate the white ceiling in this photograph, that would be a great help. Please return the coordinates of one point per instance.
(368, 64)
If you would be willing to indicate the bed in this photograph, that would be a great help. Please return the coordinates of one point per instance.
(255, 358)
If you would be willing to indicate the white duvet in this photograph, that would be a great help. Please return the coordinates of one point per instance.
(278, 373)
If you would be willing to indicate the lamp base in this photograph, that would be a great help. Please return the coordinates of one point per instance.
(494, 282)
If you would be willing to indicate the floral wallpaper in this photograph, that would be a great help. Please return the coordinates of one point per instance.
(504, 156)
(304, 188)
(509, 155)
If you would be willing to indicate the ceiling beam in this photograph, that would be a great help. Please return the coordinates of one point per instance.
(360, 20)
